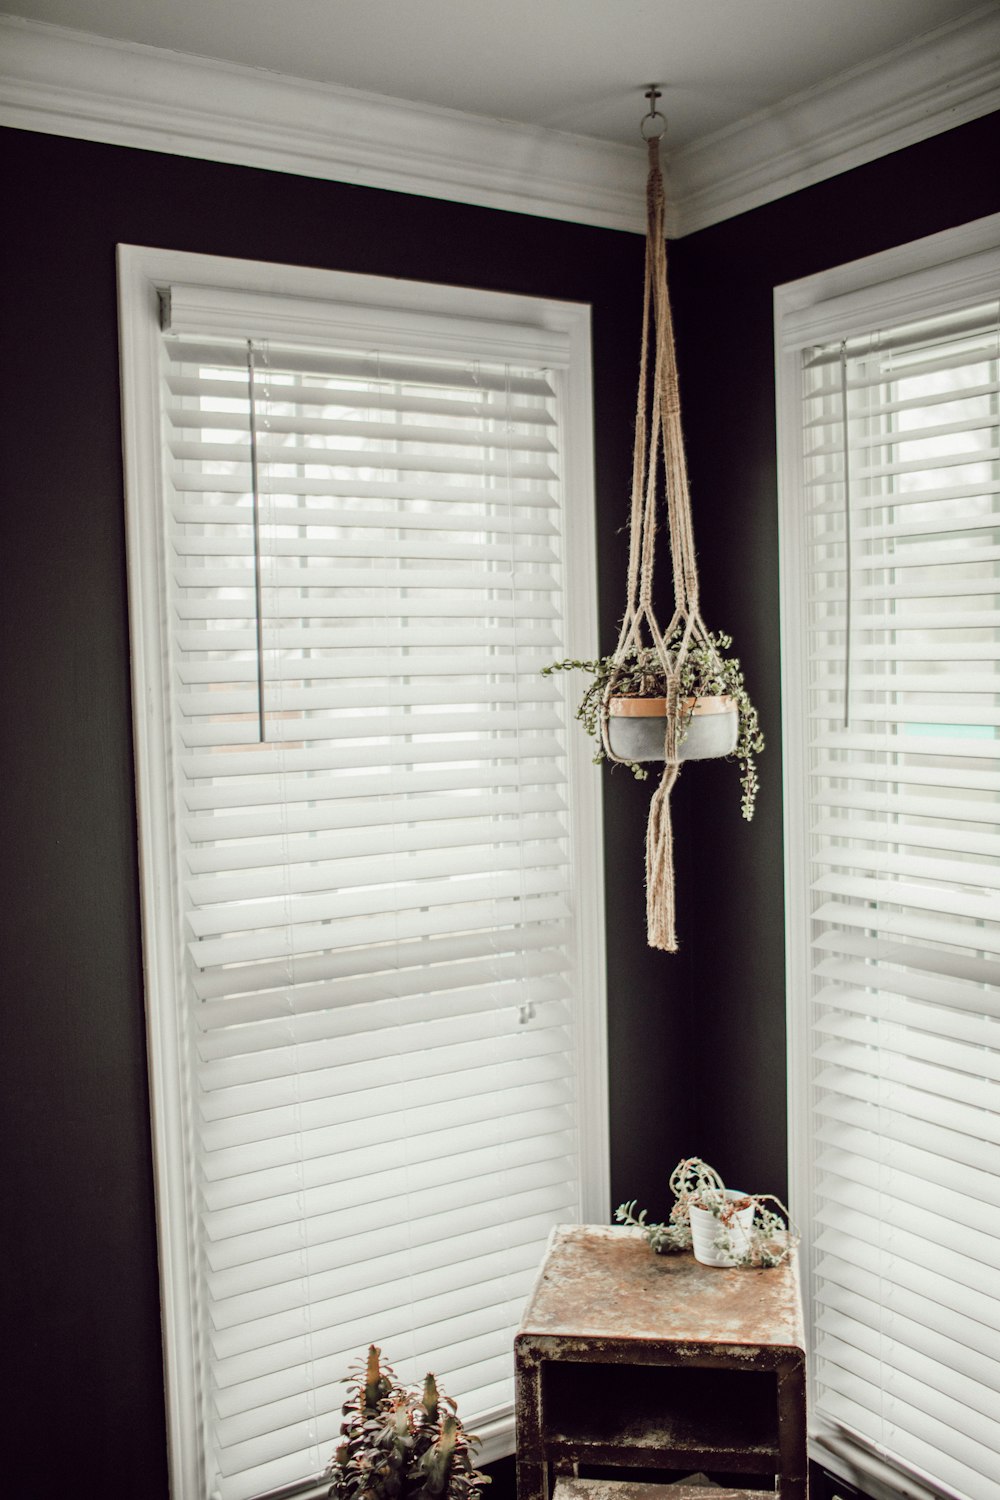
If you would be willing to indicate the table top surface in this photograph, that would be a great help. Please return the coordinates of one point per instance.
(628, 1489)
(599, 1281)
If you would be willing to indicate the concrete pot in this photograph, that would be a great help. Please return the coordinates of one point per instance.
(637, 728)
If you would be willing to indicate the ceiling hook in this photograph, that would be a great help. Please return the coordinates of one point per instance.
(653, 125)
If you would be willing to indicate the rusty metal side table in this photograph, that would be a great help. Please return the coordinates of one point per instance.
(625, 1359)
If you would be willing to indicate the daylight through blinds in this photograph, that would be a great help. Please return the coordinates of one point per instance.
(372, 866)
(902, 497)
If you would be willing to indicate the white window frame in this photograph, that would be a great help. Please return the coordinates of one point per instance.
(932, 276)
(475, 323)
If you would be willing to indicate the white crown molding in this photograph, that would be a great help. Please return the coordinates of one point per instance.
(72, 83)
(943, 79)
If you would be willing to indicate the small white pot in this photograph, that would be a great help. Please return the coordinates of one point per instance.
(707, 1231)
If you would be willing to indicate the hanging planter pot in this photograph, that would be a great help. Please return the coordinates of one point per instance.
(637, 728)
(627, 706)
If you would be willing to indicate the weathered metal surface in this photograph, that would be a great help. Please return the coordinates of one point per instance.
(625, 1359)
(603, 1282)
(627, 1489)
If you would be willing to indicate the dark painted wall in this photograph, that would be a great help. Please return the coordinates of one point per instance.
(696, 1041)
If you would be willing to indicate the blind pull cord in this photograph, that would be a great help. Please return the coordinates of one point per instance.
(257, 582)
(847, 537)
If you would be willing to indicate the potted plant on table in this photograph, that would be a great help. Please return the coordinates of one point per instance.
(627, 699)
(722, 1226)
(401, 1443)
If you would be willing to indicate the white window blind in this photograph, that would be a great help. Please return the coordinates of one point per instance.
(372, 853)
(895, 892)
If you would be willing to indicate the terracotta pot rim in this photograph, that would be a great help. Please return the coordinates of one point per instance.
(656, 708)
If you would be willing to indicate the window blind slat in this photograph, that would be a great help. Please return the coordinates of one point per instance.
(370, 928)
(384, 398)
(920, 740)
(978, 1189)
(957, 871)
(445, 954)
(281, 1287)
(455, 1266)
(958, 1431)
(895, 1068)
(877, 1019)
(915, 410)
(431, 823)
(207, 357)
(913, 1201)
(912, 835)
(961, 1342)
(970, 490)
(943, 587)
(900, 1431)
(367, 549)
(299, 782)
(318, 1142)
(908, 1099)
(917, 957)
(482, 1296)
(901, 893)
(910, 1351)
(299, 1049)
(368, 427)
(881, 991)
(936, 1143)
(492, 516)
(366, 1208)
(350, 637)
(454, 988)
(380, 582)
(917, 1249)
(852, 1255)
(903, 924)
(465, 904)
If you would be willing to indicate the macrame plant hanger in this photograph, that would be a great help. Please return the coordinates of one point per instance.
(658, 435)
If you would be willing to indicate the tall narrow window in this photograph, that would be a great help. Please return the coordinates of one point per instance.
(370, 876)
(891, 515)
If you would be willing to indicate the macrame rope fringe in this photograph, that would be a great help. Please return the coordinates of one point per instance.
(661, 929)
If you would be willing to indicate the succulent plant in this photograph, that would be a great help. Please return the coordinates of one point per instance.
(401, 1443)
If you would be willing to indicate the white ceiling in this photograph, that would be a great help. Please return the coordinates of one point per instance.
(567, 65)
(527, 105)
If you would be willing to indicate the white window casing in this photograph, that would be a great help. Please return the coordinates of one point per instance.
(889, 480)
(360, 519)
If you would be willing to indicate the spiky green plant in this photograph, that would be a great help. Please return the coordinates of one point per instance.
(401, 1443)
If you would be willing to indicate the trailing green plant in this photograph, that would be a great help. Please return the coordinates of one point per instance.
(706, 672)
(401, 1443)
(767, 1241)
